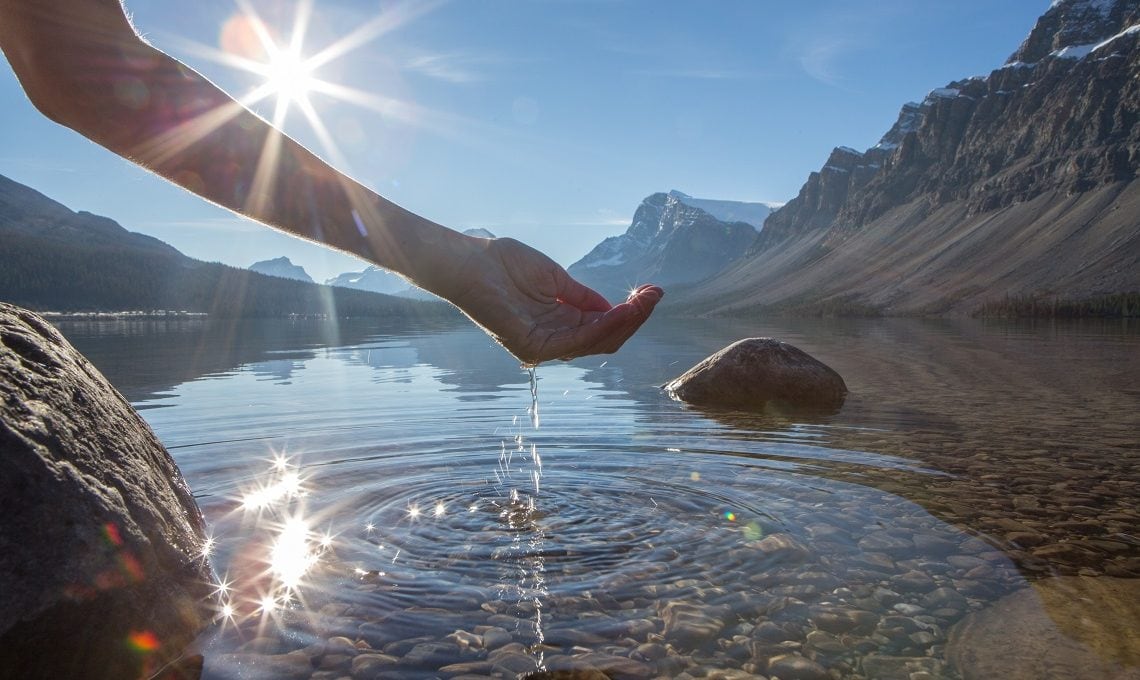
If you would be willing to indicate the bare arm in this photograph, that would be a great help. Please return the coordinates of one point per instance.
(82, 64)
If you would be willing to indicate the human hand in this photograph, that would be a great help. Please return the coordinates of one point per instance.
(537, 311)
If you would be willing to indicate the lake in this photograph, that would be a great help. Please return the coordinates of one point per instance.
(406, 503)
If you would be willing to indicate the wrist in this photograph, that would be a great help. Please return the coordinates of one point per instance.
(429, 255)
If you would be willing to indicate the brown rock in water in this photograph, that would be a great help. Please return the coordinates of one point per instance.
(101, 567)
(756, 373)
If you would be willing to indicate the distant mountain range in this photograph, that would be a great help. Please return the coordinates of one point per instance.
(1005, 193)
(281, 267)
(1010, 193)
(380, 280)
(673, 239)
(54, 259)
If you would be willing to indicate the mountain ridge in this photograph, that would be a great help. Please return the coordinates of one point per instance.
(55, 259)
(379, 280)
(670, 241)
(281, 267)
(1019, 183)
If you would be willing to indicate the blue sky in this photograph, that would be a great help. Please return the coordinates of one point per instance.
(547, 120)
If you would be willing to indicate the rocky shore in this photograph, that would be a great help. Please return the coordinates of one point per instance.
(103, 567)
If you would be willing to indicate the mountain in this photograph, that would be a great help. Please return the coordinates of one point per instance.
(673, 239)
(479, 232)
(282, 268)
(730, 211)
(54, 259)
(375, 279)
(1019, 185)
(380, 280)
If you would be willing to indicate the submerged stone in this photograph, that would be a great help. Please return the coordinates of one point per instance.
(692, 625)
(102, 567)
(758, 373)
(1069, 626)
(793, 667)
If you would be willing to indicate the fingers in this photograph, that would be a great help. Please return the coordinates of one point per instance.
(577, 295)
(609, 331)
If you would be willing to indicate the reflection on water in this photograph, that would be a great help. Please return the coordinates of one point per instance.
(386, 504)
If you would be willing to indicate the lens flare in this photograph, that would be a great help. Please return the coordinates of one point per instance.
(143, 641)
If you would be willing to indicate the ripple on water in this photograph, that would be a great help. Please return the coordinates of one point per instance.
(733, 559)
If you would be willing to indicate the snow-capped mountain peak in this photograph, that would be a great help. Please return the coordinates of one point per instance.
(1072, 29)
(673, 238)
(753, 213)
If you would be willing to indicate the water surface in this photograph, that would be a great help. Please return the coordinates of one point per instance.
(383, 505)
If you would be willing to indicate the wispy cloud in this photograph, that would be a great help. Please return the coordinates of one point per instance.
(820, 59)
(603, 219)
(598, 223)
(826, 45)
(452, 67)
(39, 164)
(696, 73)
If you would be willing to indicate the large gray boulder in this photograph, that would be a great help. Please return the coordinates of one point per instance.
(758, 373)
(102, 573)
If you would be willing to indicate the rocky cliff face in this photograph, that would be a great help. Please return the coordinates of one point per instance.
(1072, 23)
(1058, 122)
(669, 241)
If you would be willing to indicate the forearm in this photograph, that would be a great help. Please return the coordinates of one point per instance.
(144, 105)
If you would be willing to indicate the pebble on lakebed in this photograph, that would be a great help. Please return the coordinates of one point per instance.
(756, 373)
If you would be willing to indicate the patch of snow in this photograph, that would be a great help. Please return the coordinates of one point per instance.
(849, 150)
(730, 211)
(373, 279)
(834, 168)
(1073, 52)
(886, 146)
(1135, 28)
(944, 92)
(1082, 51)
(1102, 6)
(610, 261)
(1019, 64)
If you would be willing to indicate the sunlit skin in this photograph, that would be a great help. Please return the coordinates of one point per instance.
(82, 64)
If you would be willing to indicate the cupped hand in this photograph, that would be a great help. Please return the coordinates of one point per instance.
(537, 311)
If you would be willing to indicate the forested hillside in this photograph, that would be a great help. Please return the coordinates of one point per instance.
(53, 259)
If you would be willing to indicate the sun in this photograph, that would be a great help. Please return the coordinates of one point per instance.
(288, 76)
